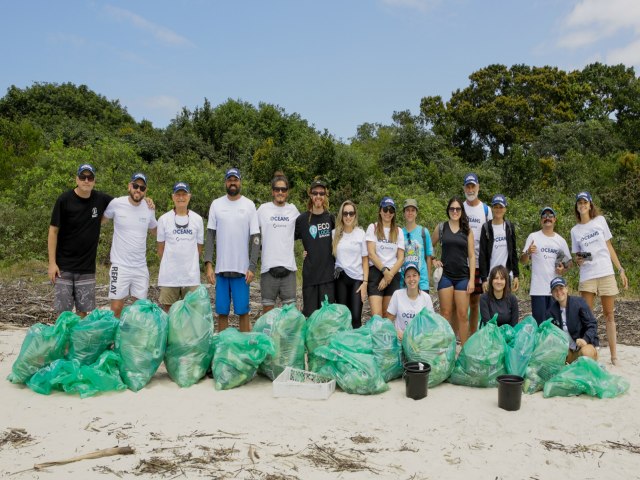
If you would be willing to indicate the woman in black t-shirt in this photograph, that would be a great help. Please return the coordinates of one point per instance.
(499, 299)
(458, 264)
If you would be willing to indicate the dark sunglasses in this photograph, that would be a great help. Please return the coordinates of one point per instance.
(142, 188)
(455, 209)
(280, 189)
(352, 213)
(319, 193)
(388, 210)
(547, 215)
(82, 177)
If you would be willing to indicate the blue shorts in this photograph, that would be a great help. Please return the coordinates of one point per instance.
(446, 282)
(235, 289)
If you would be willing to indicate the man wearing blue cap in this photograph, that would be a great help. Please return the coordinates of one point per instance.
(132, 220)
(549, 255)
(573, 315)
(74, 231)
(234, 231)
(180, 243)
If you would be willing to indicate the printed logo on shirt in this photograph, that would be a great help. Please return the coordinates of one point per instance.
(279, 221)
(549, 252)
(313, 231)
(408, 315)
(94, 212)
(142, 220)
(475, 220)
(589, 236)
(323, 230)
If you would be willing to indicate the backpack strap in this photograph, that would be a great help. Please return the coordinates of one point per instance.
(440, 232)
(486, 212)
(424, 244)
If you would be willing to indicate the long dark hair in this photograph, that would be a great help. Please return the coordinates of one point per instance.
(464, 220)
(593, 211)
(502, 271)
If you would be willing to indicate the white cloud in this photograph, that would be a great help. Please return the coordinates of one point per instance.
(628, 55)
(162, 102)
(421, 5)
(161, 33)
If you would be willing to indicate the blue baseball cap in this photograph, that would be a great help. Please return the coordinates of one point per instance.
(499, 199)
(471, 178)
(181, 186)
(232, 172)
(409, 265)
(86, 166)
(583, 196)
(548, 209)
(557, 282)
(387, 202)
(139, 176)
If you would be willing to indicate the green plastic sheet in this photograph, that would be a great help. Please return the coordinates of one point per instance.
(585, 376)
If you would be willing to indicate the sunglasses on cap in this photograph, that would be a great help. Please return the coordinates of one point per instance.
(142, 188)
(280, 189)
(82, 177)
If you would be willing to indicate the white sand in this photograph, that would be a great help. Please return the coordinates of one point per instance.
(456, 432)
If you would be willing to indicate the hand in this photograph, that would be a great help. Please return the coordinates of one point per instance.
(249, 276)
(400, 334)
(515, 284)
(210, 274)
(304, 254)
(437, 263)
(53, 272)
(560, 269)
(150, 204)
(362, 291)
(580, 342)
(532, 248)
(625, 280)
(485, 287)
(388, 276)
(382, 285)
(471, 286)
(579, 261)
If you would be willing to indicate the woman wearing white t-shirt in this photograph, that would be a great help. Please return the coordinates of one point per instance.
(407, 302)
(591, 243)
(352, 261)
(385, 245)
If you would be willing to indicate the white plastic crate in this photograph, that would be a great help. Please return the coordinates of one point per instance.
(296, 383)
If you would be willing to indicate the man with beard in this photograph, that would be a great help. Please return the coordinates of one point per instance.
(233, 229)
(314, 229)
(549, 255)
(478, 214)
(132, 219)
(74, 231)
(277, 222)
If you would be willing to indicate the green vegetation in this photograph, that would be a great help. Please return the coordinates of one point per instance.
(536, 134)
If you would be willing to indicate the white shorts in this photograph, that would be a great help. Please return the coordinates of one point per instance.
(126, 281)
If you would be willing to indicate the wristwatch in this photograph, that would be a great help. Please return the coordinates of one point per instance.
(383, 269)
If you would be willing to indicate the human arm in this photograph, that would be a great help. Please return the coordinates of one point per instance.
(485, 312)
(52, 245)
(485, 253)
(209, 246)
(529, 250)
(618, 265)
(471, 253)
(160, 250)
(254, 253)
(515, 310)
(588, 324)
(365, 275)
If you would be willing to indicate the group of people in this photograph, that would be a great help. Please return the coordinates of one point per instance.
(475, 276)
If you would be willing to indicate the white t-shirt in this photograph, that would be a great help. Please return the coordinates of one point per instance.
(543, 262)
(277, 225)
(387, 251)
(130, 226)
(592, 237)
(500, 254)
(180, 264)
(351, 248)
(234, 222)
(404, 309)
(477, 218)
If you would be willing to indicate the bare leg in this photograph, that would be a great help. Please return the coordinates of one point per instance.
(610, 325)
(474, 309)
(166, 307)
(445, 296)
(375, 302)
(461, 299)
(82, 314)
(266, 308)
(223, 322)
(245, 324)
(385, 305)
(116, 306)
(589, 298)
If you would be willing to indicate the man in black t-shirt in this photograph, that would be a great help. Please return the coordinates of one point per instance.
(314, 229)
(73, 243)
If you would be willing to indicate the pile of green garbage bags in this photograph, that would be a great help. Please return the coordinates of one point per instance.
(585, 376)
(322, 324)
(548, 357)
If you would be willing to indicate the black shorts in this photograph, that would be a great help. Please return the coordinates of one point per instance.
(477, 284)
(375, 276)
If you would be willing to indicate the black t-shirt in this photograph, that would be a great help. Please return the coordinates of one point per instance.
(455, 254)
(506, 308)
(315, 233)
(78, 220)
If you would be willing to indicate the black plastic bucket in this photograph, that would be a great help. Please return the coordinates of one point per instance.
(510, 392)
(416, 379)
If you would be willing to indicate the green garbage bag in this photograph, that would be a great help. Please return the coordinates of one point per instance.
(548, 357)
(238, 356)
(286, 326)
(91, 336)
(386, 347)
(72, 377)
(141, 340)
(586, 376)
(353, 372)
(42, 345)
(188, 354)
(321, 325)
(481, 360)
(520, 349)
(508, 333)
(429, 338)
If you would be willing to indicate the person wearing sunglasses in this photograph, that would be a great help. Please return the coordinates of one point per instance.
(314, 228)
(352, 261)
(417, 241)
(277, 220)
(180, 243)
(385, 245)
(549, 255)
(233, 234)
(596, 257)
(132, 220)
(72, 243)
(458, 263)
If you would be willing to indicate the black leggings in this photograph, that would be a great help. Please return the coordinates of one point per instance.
(347, 294)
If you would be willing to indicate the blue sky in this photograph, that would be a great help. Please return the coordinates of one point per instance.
(336, 63)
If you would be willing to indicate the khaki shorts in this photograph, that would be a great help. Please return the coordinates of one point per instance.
(603, 286)
(170, 295)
